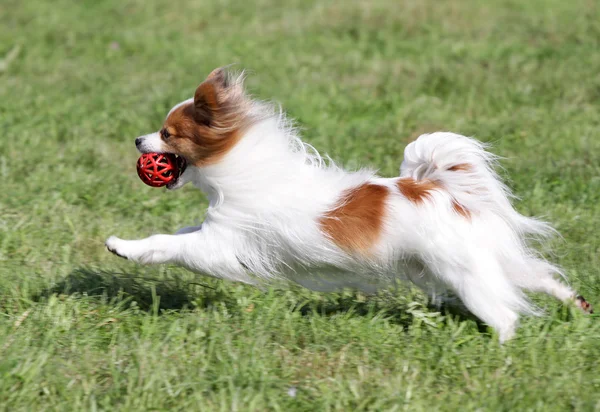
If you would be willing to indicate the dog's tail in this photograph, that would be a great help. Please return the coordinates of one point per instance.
(462, 167)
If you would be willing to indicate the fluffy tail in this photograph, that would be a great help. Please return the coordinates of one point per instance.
(464, 168)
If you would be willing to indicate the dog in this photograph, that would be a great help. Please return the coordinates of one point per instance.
(280, 211)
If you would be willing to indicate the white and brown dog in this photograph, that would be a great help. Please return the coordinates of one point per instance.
(278, 210)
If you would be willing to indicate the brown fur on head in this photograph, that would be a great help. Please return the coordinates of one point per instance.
(204, 130)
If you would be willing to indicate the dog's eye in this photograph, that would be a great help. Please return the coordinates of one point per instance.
(165, 134)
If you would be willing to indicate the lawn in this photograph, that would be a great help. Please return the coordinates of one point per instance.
(81, 329)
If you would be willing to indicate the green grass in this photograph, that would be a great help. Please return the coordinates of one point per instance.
(81, 329)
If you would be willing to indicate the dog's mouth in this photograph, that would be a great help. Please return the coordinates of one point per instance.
(181, 166)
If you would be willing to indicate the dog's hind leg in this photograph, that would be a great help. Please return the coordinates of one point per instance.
(486, 292)
(537, 275)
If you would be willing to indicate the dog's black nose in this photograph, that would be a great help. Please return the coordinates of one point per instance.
(138, 141)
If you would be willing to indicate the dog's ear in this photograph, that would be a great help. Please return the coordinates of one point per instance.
(212, 95)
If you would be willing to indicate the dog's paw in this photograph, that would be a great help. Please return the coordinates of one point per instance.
(583, 304)
(112, 245)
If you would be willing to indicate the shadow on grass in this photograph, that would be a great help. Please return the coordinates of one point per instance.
(400, 313)
(171, 294)
(178, 294)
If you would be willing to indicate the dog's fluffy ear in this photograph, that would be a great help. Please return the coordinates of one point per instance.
(216, 94)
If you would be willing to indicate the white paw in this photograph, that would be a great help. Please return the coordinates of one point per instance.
(115, 246)
(506, 335)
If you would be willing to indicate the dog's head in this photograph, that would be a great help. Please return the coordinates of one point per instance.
(203, 129)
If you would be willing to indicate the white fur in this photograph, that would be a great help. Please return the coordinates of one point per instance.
(268, 193)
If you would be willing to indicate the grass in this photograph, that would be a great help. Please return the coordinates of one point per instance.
(83, 330)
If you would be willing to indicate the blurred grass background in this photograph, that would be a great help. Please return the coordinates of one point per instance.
(81, 329)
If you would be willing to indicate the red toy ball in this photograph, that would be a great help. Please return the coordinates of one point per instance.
(159, 169)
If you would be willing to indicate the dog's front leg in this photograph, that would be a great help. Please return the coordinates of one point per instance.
(207, 251)
(153, 249)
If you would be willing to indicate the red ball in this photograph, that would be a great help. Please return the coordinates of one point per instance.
(159, 169)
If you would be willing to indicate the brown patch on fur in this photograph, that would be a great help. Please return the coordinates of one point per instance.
(462, 167)
(416, 190)
(356, 223)
(205, 130)
(458, 208)
(461, 210)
